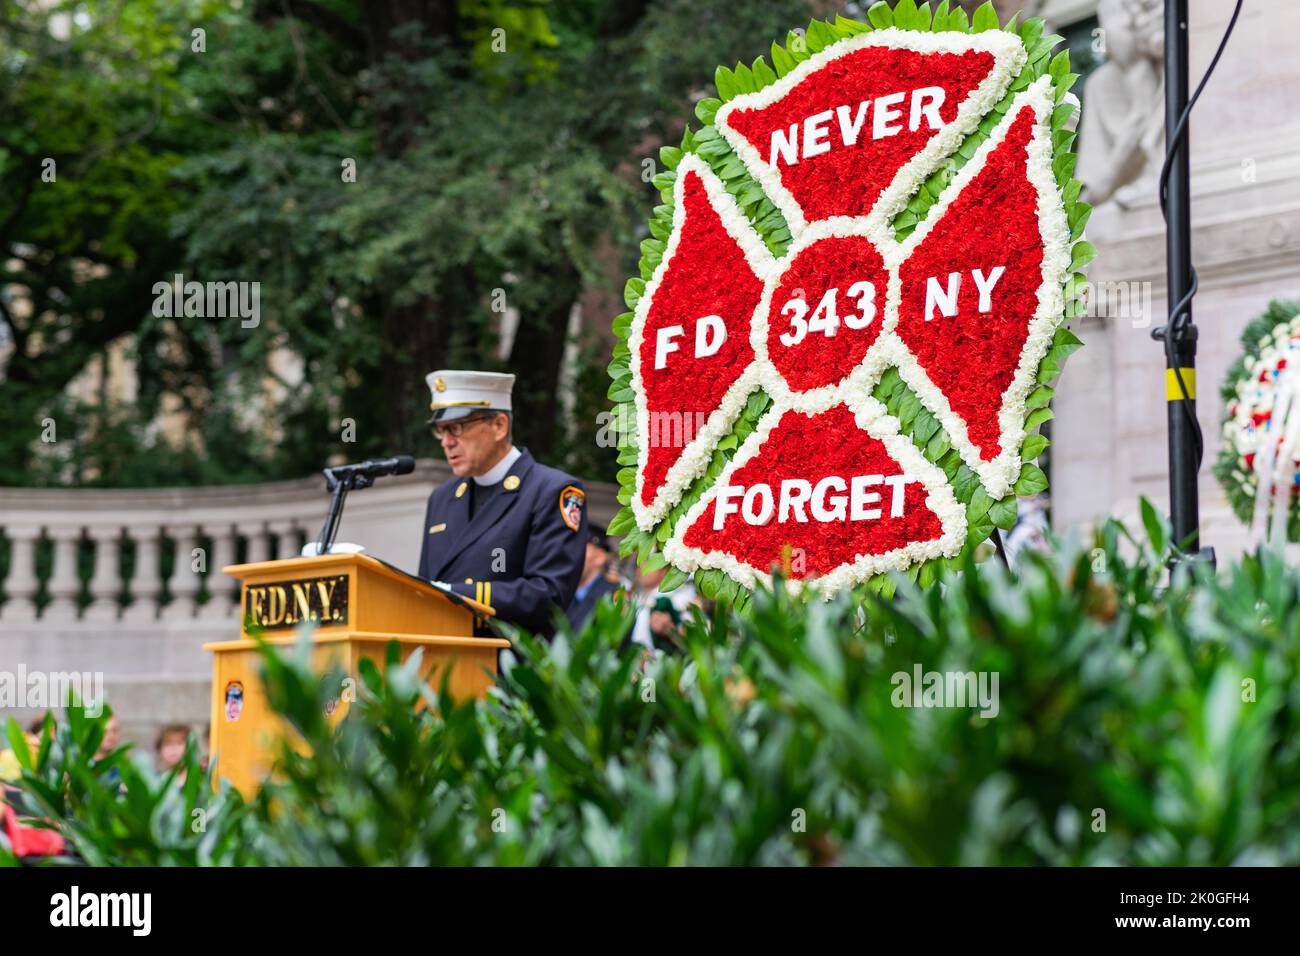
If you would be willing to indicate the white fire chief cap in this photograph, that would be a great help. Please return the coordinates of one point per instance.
(457, 393)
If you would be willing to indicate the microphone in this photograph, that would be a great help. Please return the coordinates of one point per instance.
(341, 479)
(375, 468)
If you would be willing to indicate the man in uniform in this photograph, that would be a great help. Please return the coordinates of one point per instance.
(506, 530)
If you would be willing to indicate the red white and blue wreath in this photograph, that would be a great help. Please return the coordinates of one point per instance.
(851, 306)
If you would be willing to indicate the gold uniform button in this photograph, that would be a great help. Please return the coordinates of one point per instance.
(438, 527)
(511, 482)
(461, 490)
(469, 580)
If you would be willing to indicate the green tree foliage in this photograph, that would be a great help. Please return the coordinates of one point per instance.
(1139, 722)
(497, 145)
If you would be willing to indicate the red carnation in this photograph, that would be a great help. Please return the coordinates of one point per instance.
(30, 841)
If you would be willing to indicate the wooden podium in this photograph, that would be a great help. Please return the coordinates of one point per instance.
(357, 605)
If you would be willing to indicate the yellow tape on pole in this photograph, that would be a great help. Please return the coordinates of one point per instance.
(1175, 394)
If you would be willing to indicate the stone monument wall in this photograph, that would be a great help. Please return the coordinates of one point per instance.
(1109, 437)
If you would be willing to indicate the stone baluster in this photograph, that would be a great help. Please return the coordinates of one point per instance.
(221, 589)
(22, 584)
(64, 584)
(185, 582)
(106, 582)
(259, 544)
(286, 536)
(146, 583)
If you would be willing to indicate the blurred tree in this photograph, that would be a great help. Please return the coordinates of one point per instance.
(393, 174)
(87, 144)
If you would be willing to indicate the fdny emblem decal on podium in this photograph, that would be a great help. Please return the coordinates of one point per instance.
(285, 604)
(234, 699)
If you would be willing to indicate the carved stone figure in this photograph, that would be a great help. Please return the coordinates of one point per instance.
(1121, 142)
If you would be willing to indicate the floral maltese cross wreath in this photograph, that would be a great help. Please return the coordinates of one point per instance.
(851, 306)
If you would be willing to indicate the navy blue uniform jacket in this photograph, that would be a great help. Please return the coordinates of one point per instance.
(537, 568)
(579, 611)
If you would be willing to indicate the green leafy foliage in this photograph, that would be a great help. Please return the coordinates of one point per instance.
(1139, 721)
(114, 810)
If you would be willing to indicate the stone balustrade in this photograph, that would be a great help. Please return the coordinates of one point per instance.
(68, 606)
(196, 532)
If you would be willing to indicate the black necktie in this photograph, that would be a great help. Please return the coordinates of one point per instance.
(479, 496)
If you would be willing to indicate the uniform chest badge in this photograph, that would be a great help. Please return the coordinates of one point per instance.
(461, 489)
(572, 499)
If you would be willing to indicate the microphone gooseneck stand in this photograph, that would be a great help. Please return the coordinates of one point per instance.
(339, 488)
(341, 479)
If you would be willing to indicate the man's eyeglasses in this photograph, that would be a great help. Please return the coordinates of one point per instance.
(457, 428)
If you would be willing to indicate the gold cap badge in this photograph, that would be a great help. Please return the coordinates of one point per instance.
(439, 385)
(511, 482)
(461, 490)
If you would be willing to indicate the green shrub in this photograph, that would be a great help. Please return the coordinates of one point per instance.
(1138, 721)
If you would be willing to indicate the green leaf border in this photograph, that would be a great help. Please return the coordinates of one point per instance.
(983, 513)
(1239, 484)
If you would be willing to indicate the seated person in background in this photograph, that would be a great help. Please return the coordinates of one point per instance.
(170, 746)
(666, 626)
(596, 580)
(112, 737)
(657, 626)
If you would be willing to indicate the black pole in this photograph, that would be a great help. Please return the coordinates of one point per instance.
(1180, 358)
